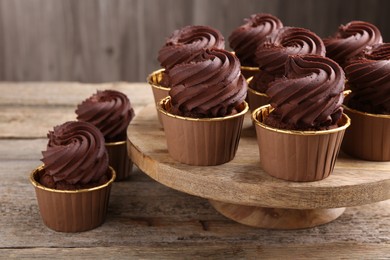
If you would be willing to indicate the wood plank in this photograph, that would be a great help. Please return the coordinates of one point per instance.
(146, 219)
(67, 93)
(137, 216)
(113, 40)
(40, 106)
(145, 213)
(225, 251)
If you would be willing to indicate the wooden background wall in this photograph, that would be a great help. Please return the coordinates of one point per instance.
(118, 40)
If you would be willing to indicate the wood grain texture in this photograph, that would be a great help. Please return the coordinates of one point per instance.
(242, 181)
(148, 220)
(116, 40)
(40, 106)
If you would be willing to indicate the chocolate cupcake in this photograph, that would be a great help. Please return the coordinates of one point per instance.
(111, 112)
(182, 46)
(299, 135)
(272, 55)
(245, 39)
(369, 104)
(73, 185)
(350, 40)
(204, 114)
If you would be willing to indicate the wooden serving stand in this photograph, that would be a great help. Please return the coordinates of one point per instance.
(242, 191)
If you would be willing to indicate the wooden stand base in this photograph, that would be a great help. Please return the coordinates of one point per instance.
(274, 218)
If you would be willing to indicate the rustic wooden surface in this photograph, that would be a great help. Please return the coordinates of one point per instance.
(146, 219)
(111, 40)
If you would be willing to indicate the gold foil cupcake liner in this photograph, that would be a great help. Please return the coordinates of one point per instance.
(248, 72)
(256, 99)
(72, 210)
(368, 137)
(202, 141)
(159, 92)
(297, 155)
(119, 159)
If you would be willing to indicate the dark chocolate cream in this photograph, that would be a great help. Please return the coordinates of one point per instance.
(309, 97)
(209, 86)
(246, 38)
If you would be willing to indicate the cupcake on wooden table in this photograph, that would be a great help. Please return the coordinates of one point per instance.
(350, 40)
(111, 112)
(73, 185)
(299, 135)
(368, 105)
(272, 55)
(204, 114)
(245, 39)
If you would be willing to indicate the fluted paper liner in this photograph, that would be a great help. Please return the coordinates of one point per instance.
(119, 159)
(72, 210)
(202, 141)
(368, 137)
(248, 72)
(159, 92)
(297, 155)
(256, 99)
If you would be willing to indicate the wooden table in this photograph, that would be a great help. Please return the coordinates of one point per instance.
(146, 219)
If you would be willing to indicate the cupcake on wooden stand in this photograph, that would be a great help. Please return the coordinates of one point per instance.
(245, 39)
(182, 46)
(271, 56)
(111, 112)
(204, 114)
(300, 133)
(368, 105)
(73, 186)
(350, 40)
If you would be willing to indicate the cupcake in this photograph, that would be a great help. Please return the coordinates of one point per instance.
(272, 55)
(111, 112)
(350, 40)
(73, 185)
(368, 105)
(182, 46)
(300, 133)
(204, 114)
(245, 39)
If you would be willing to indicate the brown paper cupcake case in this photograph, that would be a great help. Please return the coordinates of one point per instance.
(119, 159)
(159, 92)
(72, 210)
(368, 137)
(202, 141)
(297, 155)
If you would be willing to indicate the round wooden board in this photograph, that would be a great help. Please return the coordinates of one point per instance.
(243, 182)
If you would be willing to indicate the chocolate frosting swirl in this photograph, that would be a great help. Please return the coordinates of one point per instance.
(369, 79)
(211, 86)
(184, 44)
(75, 154)
(110, 111)
(309, 97)
(273, 54)
(350, 40)
(245, 39)
(379, 51)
